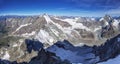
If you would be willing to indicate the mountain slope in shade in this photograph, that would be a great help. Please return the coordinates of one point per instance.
(110, 49)
(65, 52)
(86, 54)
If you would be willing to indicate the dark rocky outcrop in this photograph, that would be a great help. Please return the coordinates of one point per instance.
(110, 49)
(107, 31)
(33, 45)
(45, 57)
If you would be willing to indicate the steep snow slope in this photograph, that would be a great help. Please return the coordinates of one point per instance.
(44, 37)
(22, 26)
(47, 18)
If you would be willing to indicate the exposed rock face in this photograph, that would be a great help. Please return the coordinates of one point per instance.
(108, 31)
(33, 45)
(110, 27)
(17, 51)
(43, 57)
(110, 49)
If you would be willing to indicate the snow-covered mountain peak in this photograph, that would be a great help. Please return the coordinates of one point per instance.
(107, 17)
(47, 18)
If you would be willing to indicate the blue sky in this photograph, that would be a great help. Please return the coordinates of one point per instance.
(60, 7)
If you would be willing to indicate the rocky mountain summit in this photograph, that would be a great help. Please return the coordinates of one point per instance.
(58, 39)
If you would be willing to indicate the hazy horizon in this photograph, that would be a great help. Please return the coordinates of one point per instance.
(89, 8)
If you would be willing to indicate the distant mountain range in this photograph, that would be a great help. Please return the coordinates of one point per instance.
(85, 40)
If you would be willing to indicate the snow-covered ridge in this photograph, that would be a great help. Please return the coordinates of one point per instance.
(76, 25)
(47, 18)
(21, 26)
(29, 34)
(73, 23)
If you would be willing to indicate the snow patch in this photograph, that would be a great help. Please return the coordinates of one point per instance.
(21, 27)
(106, 23)
(6, 56)
(93, 19)
(29, 34)
(15, 45)
(101, 19)
(76, 25)
(115, 23)
(80, 44)
(1, 52)
(44, 37)
(98, 28)
(67, 30)
(55, 32)
(21, 40)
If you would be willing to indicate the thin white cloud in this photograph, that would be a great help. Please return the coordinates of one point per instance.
(113, 11)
